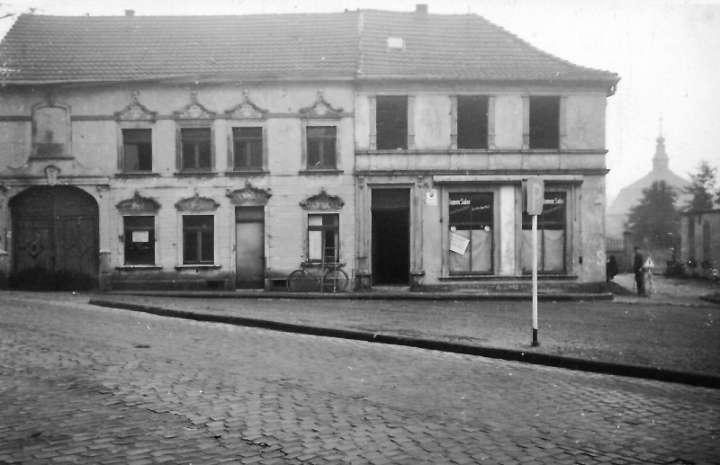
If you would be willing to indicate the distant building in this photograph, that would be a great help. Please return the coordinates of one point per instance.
(631, 195)
(224, 151)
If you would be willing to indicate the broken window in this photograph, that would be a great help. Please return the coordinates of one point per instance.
(198, 236)
(247, 148)
(544, 122)
(137, 150)
(321, 146)
(139, 234)
(391, 122)
(472, 122)
(196, 148)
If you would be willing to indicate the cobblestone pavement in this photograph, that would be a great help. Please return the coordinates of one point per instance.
(81, 384)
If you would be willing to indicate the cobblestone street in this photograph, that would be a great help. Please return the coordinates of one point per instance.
(83, 384)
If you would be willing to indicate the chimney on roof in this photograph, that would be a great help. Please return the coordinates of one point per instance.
(129, 12)
(421, 8)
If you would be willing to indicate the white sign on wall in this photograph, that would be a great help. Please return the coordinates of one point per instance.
(458, 244)
(431, 198)
(141, 236)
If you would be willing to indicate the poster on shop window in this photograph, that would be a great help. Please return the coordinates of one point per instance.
(458, 244)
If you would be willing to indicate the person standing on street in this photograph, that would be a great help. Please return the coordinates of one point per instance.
(639, 269)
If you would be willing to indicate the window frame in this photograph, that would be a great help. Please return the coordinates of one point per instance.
(537, 129)
(322, 228)
(335, 144)
(122, 156)
(152, 239)
(479, 190)
(485, 144)
(185, 125)
(406, 131)
(524, 224)
(199, 262)
(232, 153)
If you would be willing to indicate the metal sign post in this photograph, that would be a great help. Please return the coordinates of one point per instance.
(534, 198)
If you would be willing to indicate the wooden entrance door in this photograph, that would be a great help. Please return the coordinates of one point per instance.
(249, 247)
(55, 239)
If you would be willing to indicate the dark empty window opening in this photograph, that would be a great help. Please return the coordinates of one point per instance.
(196, 152)
(198, 236)
(472, 122)
(139, 235)
(392, 122)
(247, 148)
(321, 147)
(544, 122)
(137, 150)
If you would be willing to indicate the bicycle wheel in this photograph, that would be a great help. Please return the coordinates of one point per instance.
(296, 280)
(335, 281)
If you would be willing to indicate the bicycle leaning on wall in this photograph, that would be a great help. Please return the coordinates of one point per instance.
(318, 276)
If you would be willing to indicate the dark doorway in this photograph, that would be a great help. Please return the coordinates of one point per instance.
(55, 239)
(249, 247)
(390, 236)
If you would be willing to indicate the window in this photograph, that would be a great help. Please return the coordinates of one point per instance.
(471, 232)
(472, 122)
(247, 148)
(544, 122)
(137, 150)
(198, 235)
(391, 122)
(321, 147)
(323, 238)
(51, 131)
(551, 235)
(139, 233)
(196, 148)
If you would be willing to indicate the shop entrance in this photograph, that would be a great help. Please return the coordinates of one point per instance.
(249, 247)
(390, 236)
(55, 239)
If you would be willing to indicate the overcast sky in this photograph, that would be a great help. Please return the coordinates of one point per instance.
(667, 53)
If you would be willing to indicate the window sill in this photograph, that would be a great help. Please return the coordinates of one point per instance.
(321, 171)
(138, 267)
(137, 174)
(199, 173)
(198, 267)
(50, 157)
(259, 172)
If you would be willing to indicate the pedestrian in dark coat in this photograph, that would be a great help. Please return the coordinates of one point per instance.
(638, 268)
(611, 268)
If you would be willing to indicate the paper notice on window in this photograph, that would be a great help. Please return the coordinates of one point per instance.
(458, 244)
(141, 236)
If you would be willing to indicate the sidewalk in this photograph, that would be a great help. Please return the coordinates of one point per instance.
(674, 337)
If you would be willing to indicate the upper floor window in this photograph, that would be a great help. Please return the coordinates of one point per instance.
(247, 148)
(137, 150)
(544, 122)
(51, 130)
(196, 148)
(472, 122)
(321, 147)
(391, 122)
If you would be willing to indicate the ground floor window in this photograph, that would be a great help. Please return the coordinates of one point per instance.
(551, 235)
(471, 232)
(198, 239)
(324, 238)
(139, 234)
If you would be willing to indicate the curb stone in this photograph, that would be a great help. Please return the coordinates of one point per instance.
(571, 363)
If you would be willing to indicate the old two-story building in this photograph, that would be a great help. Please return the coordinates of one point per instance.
(224, 151)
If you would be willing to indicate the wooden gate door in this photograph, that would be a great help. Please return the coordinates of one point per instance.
(249, 247)
(55, 239)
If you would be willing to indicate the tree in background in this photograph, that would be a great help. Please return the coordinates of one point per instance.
(655, 221)
(703, 188)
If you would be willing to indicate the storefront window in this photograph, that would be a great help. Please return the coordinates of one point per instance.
(551, 235)
(471, 232)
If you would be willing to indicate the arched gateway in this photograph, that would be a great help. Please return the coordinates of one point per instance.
(55, 238)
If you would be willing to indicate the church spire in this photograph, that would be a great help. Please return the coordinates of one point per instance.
(660, 160)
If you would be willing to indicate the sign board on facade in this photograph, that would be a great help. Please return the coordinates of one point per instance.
(431, 198)
(534, 195)
(458, 244)
(141, 236)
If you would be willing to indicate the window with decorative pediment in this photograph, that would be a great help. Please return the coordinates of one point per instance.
(195, 148)
(51, 130)
(247, 148)
(197, 229)
(139, 216)
(135, 122)
(321, 124)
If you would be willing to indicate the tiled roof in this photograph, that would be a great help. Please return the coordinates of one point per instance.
(349, 45)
